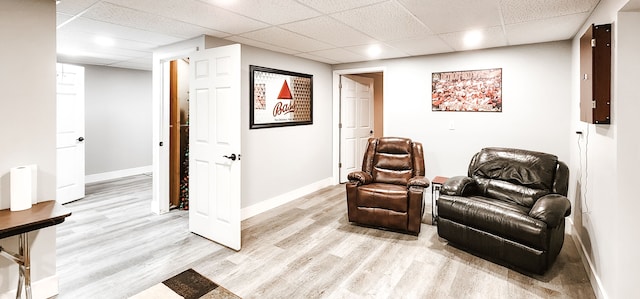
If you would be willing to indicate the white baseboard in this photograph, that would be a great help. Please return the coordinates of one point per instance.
(41, 289)
(596, 283)
(98, 177)
(279, 200)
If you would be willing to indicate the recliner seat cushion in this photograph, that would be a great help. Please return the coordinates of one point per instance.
(383, 196)
(501, 218)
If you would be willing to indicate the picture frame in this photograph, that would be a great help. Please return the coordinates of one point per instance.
(279, 98)
(468, 91)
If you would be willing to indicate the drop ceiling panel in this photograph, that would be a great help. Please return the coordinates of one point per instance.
(83, 43)
(197, 13)
(518, 11)
(74, 7)
(455, 15)
(385, 21)
(274, 12)
(61, 18)
(93, 28)
(317, 58)
(286, 39)
(110, 53)
(94, 60)
(560, 28)
(330, 31)
(386, 51)
(325, 28)
(258, 44)
(331, 6)
(422, 46)
(339, 55)
(492, 37)
(140, 64)
(115, 14)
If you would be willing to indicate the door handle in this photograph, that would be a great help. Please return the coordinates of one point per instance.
(81, 139)
(231, 157)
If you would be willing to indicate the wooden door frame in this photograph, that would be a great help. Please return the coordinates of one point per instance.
(174, 135)
(160, 74)
(336, 112)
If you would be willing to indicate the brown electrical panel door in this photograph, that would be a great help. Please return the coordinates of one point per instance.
(595, 72)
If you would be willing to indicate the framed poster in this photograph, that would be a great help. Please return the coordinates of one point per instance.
(478, 90)
(279, 98)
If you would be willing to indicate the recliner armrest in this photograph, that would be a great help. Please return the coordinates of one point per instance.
(551, 208)
(460, 186)
(360, 177)
(419, 181)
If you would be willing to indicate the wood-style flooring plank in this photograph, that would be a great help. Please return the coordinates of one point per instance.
(113, 247)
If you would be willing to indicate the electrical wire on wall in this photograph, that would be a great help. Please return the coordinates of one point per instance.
(584, 187)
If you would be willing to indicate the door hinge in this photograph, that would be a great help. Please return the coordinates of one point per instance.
(340, 126)
(593, 43)
(593, 103)
(339, 165)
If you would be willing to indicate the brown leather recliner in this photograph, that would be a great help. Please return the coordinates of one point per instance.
(388, 191)
(509, 208)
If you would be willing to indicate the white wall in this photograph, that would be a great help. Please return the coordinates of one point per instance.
(607, 160)
(536, 99)
(628, 153)
(278, 160)
(27, 125)
(118, 119)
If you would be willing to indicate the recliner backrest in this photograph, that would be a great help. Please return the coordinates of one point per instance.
(517, 175)
(393, 160)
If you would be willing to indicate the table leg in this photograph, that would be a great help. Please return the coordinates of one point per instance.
(20, 282)
(435, 192)
(24, 266)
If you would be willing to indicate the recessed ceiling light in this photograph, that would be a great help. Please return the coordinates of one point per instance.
(472, 38)
(104, 41)
(374, 51)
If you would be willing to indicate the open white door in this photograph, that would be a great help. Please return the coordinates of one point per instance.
(356, 118)
(214, 145)
(69, 132)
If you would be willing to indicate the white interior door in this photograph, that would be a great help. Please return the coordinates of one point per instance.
(356, 115)
(69, 132)
(214, 145)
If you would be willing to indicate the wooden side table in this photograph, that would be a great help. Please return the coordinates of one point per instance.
(40, 215)
(436, 185)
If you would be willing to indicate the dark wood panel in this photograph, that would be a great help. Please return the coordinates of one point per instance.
(595, 72)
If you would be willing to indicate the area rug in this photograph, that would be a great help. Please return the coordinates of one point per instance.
(188, 285)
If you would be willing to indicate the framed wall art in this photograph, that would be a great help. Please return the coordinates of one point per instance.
(279, 98)
(477, 90)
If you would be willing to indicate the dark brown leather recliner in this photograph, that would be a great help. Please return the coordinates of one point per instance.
(509, 208)
(388, 191)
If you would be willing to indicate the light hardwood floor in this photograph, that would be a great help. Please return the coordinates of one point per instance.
(113, 247)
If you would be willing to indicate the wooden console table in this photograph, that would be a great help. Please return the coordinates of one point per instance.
(20, 223)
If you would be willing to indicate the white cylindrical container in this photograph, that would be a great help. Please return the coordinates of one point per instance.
(22, 187)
